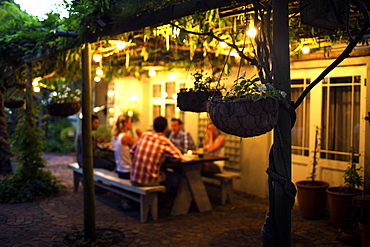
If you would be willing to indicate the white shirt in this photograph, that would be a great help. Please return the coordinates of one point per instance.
(121, 154)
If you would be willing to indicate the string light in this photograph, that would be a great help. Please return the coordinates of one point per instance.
(99, 72)
(97, 57)
(305, 49)
(252, 32)
(152, 72)
(97, 79)
(171, 76)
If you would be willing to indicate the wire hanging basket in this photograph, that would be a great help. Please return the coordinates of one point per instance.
(244, 117)
(195, 101)
(63, 109)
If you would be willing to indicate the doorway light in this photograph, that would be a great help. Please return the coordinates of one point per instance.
(133, 98)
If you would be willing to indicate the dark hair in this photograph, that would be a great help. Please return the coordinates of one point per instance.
(178, 120)
(160, 124)
(93, 117)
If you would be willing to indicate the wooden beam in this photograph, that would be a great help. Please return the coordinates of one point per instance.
(163, 16)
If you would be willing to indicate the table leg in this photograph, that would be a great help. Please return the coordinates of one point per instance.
(183, 198)
(197, 188)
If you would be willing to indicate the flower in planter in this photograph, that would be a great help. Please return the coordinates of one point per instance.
(65, 95)
(254, 89)
(64, 102)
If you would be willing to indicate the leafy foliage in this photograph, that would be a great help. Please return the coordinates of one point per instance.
(30, 181)
(57, 139)
(254, 89)
(352, 177)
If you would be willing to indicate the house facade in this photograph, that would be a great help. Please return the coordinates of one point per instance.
(336, 107)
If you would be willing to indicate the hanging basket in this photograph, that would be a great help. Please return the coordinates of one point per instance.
(13, 103)
(195, 101)
(63, 109)
(244, 117)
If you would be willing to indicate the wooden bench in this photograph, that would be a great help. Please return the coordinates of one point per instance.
(223, 180)
(146, 196)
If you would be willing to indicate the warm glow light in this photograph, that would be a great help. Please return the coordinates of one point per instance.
(252, 32)
(223, 44)
(174, 96)
(234, 53)
(130, 113)
(97, 79)
(119, 44)
(111, 93)
(99, 72)
(54, 93)
(97, 57)
(36, 89)
(305, 49)
(171, 76)
(96, 109)
(35, 83)
(152, 72)
(164, 94)
(111, 110)
(133, 98)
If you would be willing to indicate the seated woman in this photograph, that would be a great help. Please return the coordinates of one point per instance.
(122, 142)
(214, 144)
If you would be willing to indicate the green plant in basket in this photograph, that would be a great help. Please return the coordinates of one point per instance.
(254, 89)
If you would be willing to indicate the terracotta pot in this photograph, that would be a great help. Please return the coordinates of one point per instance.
(340, 206)
(312, 198)
(364, 225)
(195, 101)
(244, 117)
(63, 109)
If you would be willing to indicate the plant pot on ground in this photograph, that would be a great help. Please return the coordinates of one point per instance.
(195, 99)
(249, 109)
(340, 198)
(364, 226)
(312, 197)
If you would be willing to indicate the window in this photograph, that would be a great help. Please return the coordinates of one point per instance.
(301, 129)
(340, 117)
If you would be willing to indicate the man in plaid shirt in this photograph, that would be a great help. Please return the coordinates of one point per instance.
(180, 137)
(149, 153)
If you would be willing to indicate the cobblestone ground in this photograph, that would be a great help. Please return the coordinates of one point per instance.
(45, 222)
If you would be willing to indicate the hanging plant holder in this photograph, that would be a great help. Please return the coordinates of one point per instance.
(244, 117)
(63, 109)
(195, 101)
(13, 103)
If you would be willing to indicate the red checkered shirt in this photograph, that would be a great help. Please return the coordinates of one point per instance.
(148, 155)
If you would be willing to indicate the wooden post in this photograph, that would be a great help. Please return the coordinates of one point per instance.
(88, 176)
(282, 147)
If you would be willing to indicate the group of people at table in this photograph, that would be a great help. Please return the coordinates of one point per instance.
(141, 159)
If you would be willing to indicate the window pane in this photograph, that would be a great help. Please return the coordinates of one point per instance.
(170, 89)
(157, 91)
(300, 131)
(156, 111)
(340, 118)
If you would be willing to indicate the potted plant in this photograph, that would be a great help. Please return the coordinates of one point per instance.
(312, 193)
(249, 109)
(195, 99)
(14, 99)
(340, 197)
(64, 102)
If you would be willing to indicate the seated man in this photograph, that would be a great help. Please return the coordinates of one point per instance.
(149, 153)
(180, 137)
(98, 162)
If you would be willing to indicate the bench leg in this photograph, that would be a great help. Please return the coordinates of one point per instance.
(76, 180)
(148, 203)
(226, 191)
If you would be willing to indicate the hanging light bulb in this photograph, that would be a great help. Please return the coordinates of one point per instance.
(133, 98)
(97, 57)
(171, 76)
(252, 32)
(99, 72)
(111, 93)
(152, 72)
(97, 79)
(305, 49)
